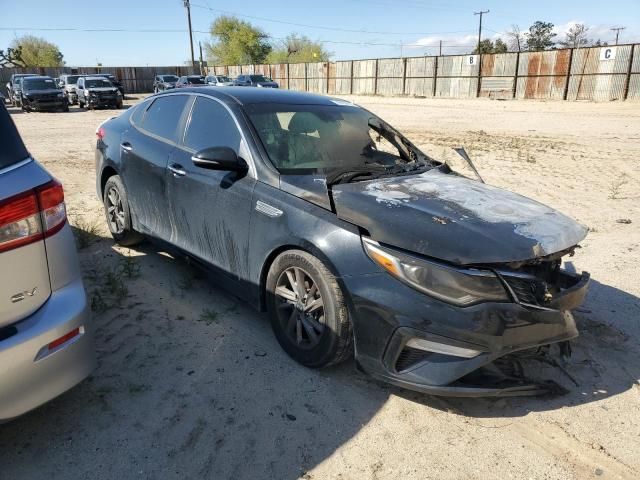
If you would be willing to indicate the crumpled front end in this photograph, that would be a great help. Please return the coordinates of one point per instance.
(413, 340)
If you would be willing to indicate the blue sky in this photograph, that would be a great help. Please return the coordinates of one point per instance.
(418, 25)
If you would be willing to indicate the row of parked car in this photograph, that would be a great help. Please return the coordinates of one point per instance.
(33, 92)
(167, 82)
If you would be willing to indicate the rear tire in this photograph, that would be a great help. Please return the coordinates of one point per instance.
(116, 207)
(308, 312)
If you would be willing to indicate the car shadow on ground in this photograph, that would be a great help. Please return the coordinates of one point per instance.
(191, 383)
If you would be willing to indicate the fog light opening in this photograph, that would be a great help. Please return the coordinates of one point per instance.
(444, 349)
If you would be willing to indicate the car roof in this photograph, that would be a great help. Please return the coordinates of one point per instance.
(248, 96)
(93, 77)
(39, 77)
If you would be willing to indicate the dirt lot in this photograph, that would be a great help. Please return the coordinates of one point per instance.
(192, 384)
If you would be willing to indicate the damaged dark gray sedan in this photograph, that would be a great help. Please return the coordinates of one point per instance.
(355, 242)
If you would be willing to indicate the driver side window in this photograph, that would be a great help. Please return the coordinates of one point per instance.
(211, 125)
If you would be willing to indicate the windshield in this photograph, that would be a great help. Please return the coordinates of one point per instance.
(304, 138)
(259, 78)
(97, 83)
(38, 83)
(222, 78)
(72, 79)
(169, 78)
(196, 80)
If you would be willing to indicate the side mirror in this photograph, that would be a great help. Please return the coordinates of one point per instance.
(219, 158)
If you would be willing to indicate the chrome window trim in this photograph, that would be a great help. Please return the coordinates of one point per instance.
(15, 166)
(250, 161)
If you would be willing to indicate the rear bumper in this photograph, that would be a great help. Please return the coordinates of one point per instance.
(27, 382)
(387, 315)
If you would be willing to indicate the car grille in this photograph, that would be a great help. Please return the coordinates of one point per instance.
(409, 357)
(531, 291)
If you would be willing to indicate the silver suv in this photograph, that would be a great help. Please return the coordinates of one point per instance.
(68, 83)
(46, 338)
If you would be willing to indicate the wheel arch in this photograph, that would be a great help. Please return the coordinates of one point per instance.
(107, 172)
(299, 244)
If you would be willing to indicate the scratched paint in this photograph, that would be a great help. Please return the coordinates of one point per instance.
(552, 230)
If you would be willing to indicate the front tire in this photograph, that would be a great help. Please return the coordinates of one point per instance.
(116, 207)
(308, 312)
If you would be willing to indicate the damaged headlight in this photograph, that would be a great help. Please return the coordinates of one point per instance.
(459, 286)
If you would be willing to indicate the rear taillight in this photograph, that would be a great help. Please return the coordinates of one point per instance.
(100, 133)
(31, 216)
(52, 208)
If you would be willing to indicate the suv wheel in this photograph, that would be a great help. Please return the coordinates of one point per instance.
(308, 312)
(116, 207)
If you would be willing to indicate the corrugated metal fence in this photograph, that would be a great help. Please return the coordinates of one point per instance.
(596, 73)
(134, 79)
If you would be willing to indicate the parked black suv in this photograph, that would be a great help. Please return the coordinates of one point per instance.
(11, 86)
(164, 82)
(42, 93)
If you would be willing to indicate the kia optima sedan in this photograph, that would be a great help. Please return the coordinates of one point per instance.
(46, 344)
(356, 242)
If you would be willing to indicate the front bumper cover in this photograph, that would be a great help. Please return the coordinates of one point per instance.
(496, 331)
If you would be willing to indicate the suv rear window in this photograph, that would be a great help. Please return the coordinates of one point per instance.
(13, 150)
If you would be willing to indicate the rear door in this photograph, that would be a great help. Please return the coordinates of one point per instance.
(145, 152)
(211, 209)
(24, 275)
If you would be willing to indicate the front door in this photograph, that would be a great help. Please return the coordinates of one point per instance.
(211, 209)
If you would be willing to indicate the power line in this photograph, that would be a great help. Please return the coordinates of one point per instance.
(320, 27)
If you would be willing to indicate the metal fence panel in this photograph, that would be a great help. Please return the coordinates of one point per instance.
(453, 87)
(297, 72)
(588, 61)
(364, 72)
(600, 88)
(457, 66)
(634, 87)
(342, 77)
(543, 75)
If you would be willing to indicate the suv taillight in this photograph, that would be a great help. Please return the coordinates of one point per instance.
(32, 216)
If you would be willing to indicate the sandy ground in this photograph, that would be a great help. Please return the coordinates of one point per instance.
(192, 384)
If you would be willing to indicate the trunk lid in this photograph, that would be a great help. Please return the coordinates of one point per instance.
(24, 274)
(455, 219)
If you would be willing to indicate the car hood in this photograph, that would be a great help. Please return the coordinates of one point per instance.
(103, 89)
(455, 219)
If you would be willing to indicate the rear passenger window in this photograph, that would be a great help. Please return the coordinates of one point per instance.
(163, 116)
(211, 125)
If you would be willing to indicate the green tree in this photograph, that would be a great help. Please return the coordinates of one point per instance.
(487, 46)
(37, 52)
(298, 49)
(236, 42)
(540, 36)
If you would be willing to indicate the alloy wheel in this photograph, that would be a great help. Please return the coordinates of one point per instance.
(115, 211)
(300, 307)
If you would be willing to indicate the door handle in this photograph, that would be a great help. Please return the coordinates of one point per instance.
(126, 146)
(177, 170)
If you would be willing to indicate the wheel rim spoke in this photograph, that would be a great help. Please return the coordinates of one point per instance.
(300, 307)
(285, 293)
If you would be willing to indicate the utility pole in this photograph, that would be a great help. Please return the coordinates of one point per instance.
(187, 5)
(440, 54)
(201, 62)
(482, 12)
(617, 30)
